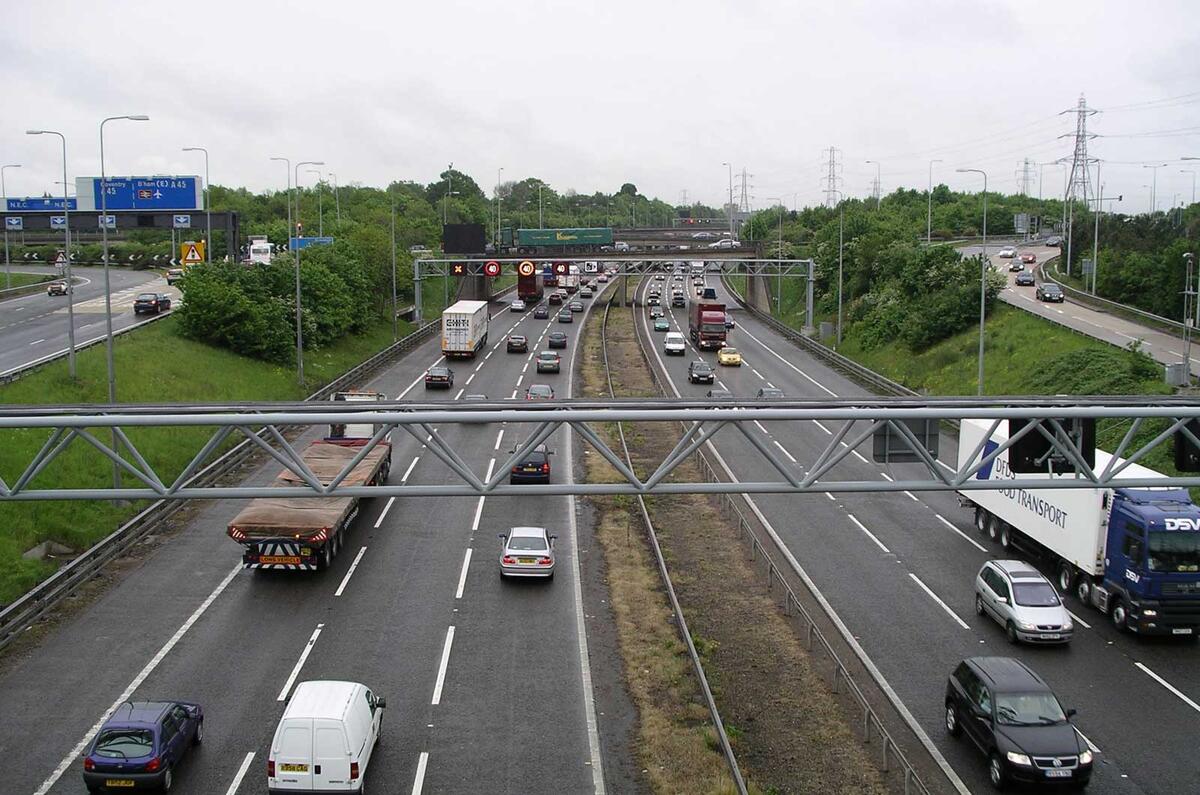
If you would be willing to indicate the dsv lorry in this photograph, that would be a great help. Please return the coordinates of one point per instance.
(305, 533)
(1133, 554)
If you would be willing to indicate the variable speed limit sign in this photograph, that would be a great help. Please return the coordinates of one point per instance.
(492, 268)
(526, 268)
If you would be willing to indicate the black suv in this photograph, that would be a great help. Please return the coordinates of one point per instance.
(700, 371)
(534, 468)
(1011, 714)
(1050, 292)
(151, 303)
(439, 376)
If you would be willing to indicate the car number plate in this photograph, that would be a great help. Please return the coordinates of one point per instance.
(292, 768)
(526, 560)
(118, 782)
(1181, 631)
(1058, 774)
(1052, 636)
(275, 559)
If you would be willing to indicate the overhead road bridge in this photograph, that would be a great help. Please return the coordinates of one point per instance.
(47, 227)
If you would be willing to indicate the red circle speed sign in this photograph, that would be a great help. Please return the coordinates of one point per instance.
(525, 268)
(560, 268)
(492, 268)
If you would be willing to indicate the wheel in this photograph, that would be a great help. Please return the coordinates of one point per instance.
(978, 604)
(1010, 632)
(1083, 589)
(980, 519)
(952, 727)
(1066, 577)
(168, 779)
(1005, 536)
(199, 737)
(993, 527)
(1119, 615)
(327, 555)
(996, 771)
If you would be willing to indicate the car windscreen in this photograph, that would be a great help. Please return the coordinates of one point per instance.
(1028, 709)
(540, 391)
(124, 743)
(146, 297)
(1035, 594)
(713, 328)
(730, 351)
(547, 356)
(527, 544)
(701, 368)
(1174, 551)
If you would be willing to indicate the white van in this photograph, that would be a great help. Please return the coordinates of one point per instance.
(673, 344)
(325, 738)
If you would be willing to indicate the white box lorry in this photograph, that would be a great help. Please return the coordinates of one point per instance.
(464, 329)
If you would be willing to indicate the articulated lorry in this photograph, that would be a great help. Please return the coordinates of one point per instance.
(464, 329)
(305, 533)
(706, 323)
(1133, 553)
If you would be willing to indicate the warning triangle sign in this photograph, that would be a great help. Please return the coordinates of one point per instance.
(61, 259)
(192, 256)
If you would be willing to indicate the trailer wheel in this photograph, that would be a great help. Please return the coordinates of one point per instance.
(993, 529)
(981, 518)
(1066, 577)
(327, 555)
(1005, 536)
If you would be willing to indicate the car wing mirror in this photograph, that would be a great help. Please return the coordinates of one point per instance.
(1002, 600)
(1071, 712)
(501, 536)
(381, 702)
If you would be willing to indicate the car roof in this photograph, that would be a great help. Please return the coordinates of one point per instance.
(138, 713)
(321, 699)
(558, 333)
(1018, 569)
(1006, 673)
(526, 532)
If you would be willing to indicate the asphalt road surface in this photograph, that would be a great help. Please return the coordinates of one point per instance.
(899, 570)
(487, 682)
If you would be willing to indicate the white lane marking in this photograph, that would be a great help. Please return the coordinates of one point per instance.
(513, 395)
(525, 368)
(441, 674)
(859, 456)
(350, 573)
(1168, 686)
(969, 540)
(388, 506)
(1079, 620)
(408, 471)
(462, 578)
(456, 397)
(491, 463)
(478, 513)
(35, 342)
(946, 467)
(308, 647)
(935, 598)
(470, 378)
(784, 450)
(822, 427)
(53, 778)
(870, 535)
(789, 364)
(489, 355)
(761, 428)
(1090, 744)
(241, 774)
(499, 436)
(756, 372)
(479, 367)
(419, 781)
(830, 496)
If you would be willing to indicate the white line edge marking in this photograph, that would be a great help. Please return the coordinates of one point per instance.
(308, 647)
(1090, 744)
(408, 471)
(861, 653)
(870, 535)
(441, 674)
(937, 599)
(53, 778)
(969, 540)
(462, 578)
(1079, 620)
(1168, 686)
(789, 364)
(350, 572)
(784, 451)
(241, 774)
(419, 780)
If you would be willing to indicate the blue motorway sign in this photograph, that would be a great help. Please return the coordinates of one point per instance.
(181, 222)
(58, 222)
(304, 242)
(39, 204)
(142, 193)
(13, 224)
(109, 221)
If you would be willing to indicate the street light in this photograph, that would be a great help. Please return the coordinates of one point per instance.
(1193, 173)
(299, 327)
(878, 181)
(929, 205)
(320, 203)
(1189, 297)
(541, 223)
(1154, 185)
(446, 198)
(779, 262)
(983, 266)
(4, 191)
(337, 202)
(499, 171)
(66, 252)
(108, 343)
(207, 205)
(730, 205)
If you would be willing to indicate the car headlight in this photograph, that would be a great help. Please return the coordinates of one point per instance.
(1150, 613)
(1085, 758)
(1018, 759)
(1068, 625)
(1027, 626)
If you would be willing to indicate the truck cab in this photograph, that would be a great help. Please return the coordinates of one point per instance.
(1152, 563)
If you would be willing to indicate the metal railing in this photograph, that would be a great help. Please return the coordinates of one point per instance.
(1050, 270)
(9, 376)
(676, 608)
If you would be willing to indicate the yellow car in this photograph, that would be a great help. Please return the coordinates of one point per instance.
(730, 357)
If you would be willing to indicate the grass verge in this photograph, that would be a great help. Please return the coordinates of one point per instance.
(786, 727)
(23, 279)
(154, 365)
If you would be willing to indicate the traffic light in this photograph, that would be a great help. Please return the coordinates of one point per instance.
(1033, 452)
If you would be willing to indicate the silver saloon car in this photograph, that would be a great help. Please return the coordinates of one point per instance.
(527, 552)
(1021, 600)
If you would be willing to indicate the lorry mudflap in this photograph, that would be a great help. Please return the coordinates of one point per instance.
(283, 556)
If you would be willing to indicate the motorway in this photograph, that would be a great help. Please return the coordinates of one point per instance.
(899, 571)
(1162, 347)
(35, 326)
(488, 683)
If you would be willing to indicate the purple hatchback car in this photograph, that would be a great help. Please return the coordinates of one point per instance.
(140, 745)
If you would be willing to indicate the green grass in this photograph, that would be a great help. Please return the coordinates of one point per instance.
(436, 289)
(23, 279)
(153, 364)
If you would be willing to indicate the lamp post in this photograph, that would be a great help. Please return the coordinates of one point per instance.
(337, 203)
(4, 191)
(878, 180)
(779, 262)
(395, 326)
(207, 205)
(66, 252)
(1189, 297)
(108, 337)
(1154, 185)
(541, 223)
(730, 205)
(929, 205)
(446, 198)
(1193, 173)
(982, 274)
(499, 171)
(320, 203)
(299, 327)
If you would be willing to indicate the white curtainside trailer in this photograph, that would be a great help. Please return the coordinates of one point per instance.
(464, 329)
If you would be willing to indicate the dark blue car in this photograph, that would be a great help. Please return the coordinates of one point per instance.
(140, 745)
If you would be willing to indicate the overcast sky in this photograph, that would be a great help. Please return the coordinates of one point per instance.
(590, 95)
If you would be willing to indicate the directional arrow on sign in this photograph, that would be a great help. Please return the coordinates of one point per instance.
(173, 262)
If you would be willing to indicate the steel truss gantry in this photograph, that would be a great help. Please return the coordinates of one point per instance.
(854, 422)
